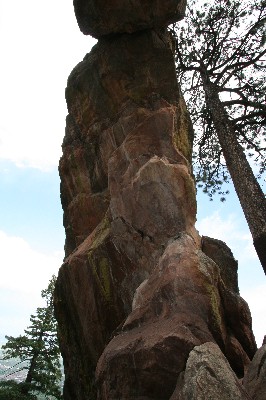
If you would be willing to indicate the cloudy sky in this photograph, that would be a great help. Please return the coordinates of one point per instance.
(40, 43)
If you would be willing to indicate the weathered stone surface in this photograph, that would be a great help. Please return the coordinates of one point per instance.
(220, 253)
(255, 378)
(120, 72)
(125, 156)
(94, 291)
(83, 209)
(208, 376)
(120, 253)
(181, 305)
(99, 17)
(118, 90)
(148, 172)
(136, 293)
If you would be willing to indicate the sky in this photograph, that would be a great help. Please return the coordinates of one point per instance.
(40, 43)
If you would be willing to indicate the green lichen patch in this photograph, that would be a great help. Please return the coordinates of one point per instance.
(190, 194)
(101, 273)
(183, 134)
(100, 262)
(216, 324)
(210, 280)
(100, 233)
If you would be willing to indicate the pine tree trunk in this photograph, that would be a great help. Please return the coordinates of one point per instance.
(25, 389)
(249, 192)
(32, 367)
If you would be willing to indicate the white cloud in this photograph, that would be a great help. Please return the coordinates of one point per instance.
(230, 230)
(217, 227)
(42, 44)
(22, 268)
(25, 272)
(255, 297)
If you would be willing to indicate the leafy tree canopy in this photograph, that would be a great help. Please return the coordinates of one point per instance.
(11, 390)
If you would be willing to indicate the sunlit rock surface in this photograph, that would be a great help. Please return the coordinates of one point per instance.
(139, 288)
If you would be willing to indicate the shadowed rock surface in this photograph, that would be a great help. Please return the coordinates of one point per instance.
(208, 376)
(255, 377)
(138, 289)
(100, 17)
(220, 253)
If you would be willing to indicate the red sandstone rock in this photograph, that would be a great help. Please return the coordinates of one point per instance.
(89, 306)
(220, 253)
(136, 294)
(147, 173)
(121, 252)
(99, 17)
(126, 150)
(180, 306)
(108, 99)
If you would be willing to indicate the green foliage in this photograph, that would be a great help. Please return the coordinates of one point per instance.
(225, 40)
(39, 346)
(11, 390)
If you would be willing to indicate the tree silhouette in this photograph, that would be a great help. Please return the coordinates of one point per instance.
(39, 347)
(220, 58)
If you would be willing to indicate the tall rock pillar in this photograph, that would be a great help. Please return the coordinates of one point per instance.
(136, 293)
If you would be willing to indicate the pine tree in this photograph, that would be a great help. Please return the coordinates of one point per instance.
(220, 56)
(39, 347)
(12, 390)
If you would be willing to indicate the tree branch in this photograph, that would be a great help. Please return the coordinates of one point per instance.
(245, 103)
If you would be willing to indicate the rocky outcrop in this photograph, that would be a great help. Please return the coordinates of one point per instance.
(208, 376)
(138, 289)
(181, 305)
(220, 253)
(255, 377)
(118, 90)
(99, 17)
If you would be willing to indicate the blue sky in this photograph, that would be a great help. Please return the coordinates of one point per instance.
(40, 43)
(30, 206)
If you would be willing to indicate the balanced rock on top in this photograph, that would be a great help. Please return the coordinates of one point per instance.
(100, 17)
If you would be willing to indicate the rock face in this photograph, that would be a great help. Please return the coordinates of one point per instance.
(255, 377)
(138, 289)
(99, 17)
(208, 376)
(220, 253)
(182, 304)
